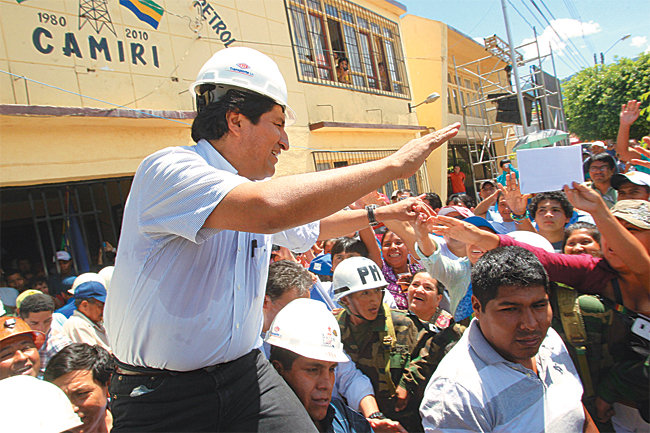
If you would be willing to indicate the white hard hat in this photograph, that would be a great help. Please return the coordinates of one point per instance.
(356, 274)
(107, 274)
(32, 405)
(84, 278)
(532, 238)
(246, 69)
(308, 328)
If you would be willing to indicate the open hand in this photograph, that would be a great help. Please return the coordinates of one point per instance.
(630, 112)
(410, 157)
(584, 198)
(513, 196)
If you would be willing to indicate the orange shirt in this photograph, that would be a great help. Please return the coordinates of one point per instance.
(457, 182)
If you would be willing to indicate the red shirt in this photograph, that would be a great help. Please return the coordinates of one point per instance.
(457, 182)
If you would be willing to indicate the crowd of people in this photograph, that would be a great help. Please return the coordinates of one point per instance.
(239, 302)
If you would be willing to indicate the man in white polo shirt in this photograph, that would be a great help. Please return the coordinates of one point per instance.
(184, 312)
(510, 372)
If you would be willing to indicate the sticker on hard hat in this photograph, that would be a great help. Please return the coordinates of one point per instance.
(364, 271)
(243, 65)
(241, 71)
(328, 338)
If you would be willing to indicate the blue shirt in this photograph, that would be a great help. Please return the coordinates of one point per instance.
(68, 308)
(341, 419)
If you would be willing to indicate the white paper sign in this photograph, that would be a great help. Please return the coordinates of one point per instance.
(549, 168)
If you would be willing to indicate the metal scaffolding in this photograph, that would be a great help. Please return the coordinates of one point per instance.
(492, 138)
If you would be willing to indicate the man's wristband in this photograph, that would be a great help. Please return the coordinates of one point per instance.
(376, 415)
(370, 209)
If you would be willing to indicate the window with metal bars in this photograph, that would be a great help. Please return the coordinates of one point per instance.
(329, 160)
(339, 43)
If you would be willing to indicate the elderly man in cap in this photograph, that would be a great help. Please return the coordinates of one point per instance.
(86, 323)
(19, 346)
(633, 185)
(197, 235)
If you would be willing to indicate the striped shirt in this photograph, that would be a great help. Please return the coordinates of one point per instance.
(476, 389)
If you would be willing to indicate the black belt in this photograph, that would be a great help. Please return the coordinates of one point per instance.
(136, 370)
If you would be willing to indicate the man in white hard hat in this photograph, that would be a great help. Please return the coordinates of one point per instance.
(305, 349)
(196, 237)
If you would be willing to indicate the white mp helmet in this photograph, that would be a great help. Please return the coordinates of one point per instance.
(245, 69)
(356, 274)
(308, 328)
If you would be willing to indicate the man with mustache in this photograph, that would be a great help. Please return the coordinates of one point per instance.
(509, 371)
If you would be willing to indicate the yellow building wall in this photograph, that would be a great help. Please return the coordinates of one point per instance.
(425, 42)
(49, 56)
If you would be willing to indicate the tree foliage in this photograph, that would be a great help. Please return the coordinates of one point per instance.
(593, 98)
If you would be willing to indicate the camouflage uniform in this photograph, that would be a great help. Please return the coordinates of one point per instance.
(607, 366)
(407, 358)
(435, 339)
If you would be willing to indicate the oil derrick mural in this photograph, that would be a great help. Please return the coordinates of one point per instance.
(95, 14)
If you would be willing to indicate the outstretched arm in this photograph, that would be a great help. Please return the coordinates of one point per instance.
(641, 162)
(281, 203)
(619, 240)
(629, 114)
(483, 207)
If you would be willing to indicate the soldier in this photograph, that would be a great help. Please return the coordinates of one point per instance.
(437, 331)
(381, 341)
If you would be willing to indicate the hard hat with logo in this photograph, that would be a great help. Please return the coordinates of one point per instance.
(245, 69)
(13, 326)
(308, 328)
(84, 278)
(356, 274)
(32, 405)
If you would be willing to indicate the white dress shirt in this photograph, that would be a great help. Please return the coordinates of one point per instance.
(185, 297)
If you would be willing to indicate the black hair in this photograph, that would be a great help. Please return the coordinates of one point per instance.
(349, 245)
(210, 122)
(35, 304)
(601, 157)
(504, 161)
(81, 356)
(284, 356)
(558, 196)
(487, 182)
(285, 275)
(506, 267)
(13, 271)
(434, 200)
(460, 198)
(592, 231)
(439, 286)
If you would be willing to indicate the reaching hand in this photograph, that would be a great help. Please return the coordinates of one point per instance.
(402, 397)
(409, 158)
(512, 194)
(425, 217)
(629, 112)
(585, 198)
(456, 229)
(641, 162)
(403, 210)
(604, 410)
(371, 198)
(386, 426)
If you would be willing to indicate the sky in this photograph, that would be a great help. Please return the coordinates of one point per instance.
(584, 27)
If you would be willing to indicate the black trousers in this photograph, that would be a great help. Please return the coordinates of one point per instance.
(244, 395)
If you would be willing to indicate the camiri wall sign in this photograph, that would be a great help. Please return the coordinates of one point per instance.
(93, 34)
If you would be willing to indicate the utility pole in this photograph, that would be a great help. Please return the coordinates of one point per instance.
(513, 59)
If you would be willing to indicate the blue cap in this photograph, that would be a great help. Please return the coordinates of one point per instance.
(321, 265)
(480, 222)
(67, 283)
(91, 289)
